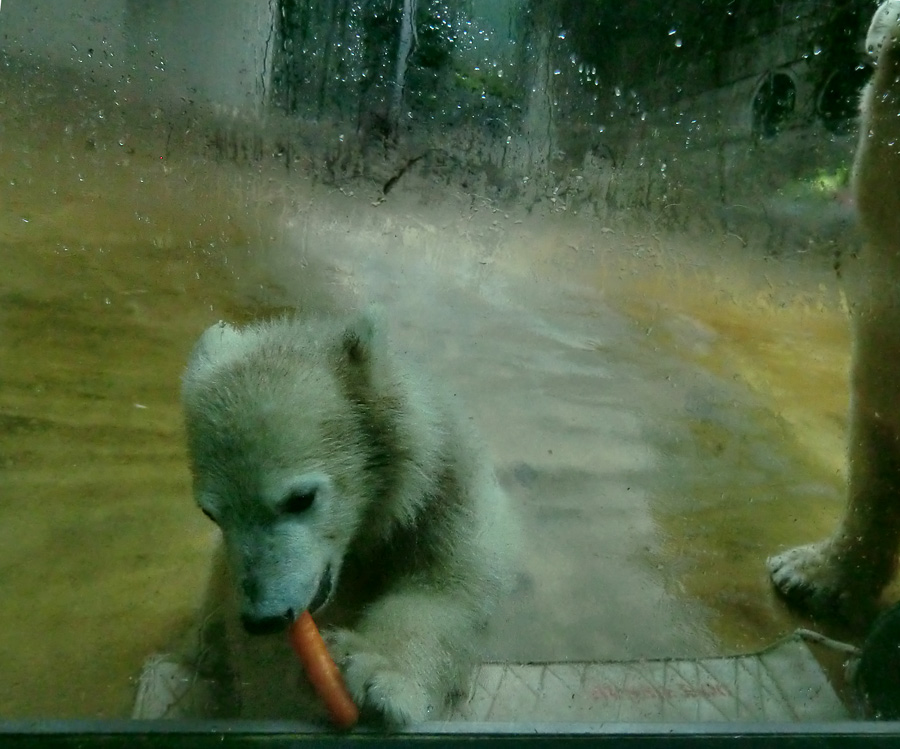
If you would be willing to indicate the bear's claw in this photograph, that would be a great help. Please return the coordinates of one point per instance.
(813, 579)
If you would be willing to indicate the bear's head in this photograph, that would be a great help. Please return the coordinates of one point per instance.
(280, 437)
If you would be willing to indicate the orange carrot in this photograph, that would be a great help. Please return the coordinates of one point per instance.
(322, 671)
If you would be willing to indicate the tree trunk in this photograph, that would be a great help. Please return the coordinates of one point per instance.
(404, 49)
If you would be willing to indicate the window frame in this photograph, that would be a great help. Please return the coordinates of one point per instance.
(177, 734)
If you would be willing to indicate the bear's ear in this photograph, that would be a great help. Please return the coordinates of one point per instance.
(216, 343)
(360, 338)
(882, 30)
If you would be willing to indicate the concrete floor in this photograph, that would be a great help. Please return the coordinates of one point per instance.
(665, 410)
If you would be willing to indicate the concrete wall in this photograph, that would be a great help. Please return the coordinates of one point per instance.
(217, 51)
(212, 51)
(84, 34)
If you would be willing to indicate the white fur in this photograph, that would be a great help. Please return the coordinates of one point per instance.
(407, 521)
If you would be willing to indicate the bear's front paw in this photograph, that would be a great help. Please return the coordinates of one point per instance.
(814, 578)
(377, 682)
(885, 27)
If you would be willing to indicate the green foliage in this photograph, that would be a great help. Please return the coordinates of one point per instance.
(486, 81)
(830, 182)
(823, 184)
(434, 32)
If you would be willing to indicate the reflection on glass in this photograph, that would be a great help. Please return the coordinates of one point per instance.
(626, 241)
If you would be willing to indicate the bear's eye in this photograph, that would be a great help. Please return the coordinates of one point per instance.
(299, 501)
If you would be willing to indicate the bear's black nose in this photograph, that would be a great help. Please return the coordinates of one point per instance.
(266, 625)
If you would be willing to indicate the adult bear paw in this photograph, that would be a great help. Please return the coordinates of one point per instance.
(817, 579)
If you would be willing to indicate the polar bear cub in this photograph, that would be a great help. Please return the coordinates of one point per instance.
(342, 484)
(844, 574)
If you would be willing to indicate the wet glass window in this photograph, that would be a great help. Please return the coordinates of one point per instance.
(542, 351)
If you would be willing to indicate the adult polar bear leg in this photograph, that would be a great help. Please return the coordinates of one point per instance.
(842, 574)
